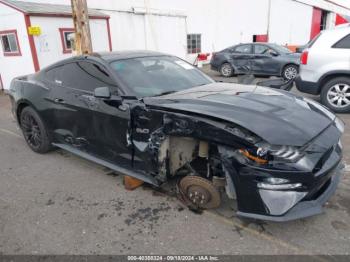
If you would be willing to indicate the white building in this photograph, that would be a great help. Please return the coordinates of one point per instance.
(182, 27)
(22, 53)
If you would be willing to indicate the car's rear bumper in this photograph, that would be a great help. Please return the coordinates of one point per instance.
(306, 86)
(304, 208)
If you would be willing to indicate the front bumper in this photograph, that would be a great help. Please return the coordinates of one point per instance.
(304, 208)
(317, 173)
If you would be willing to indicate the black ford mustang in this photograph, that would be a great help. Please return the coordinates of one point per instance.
(155, 117)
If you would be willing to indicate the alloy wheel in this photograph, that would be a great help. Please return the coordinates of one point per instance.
(339, 95)
(226, 70)
(31, 130)
(290, 72)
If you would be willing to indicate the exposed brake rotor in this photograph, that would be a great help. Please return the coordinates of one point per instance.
(199, 192)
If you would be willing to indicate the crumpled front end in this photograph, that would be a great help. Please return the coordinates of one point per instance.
(273, 174)
(282, 190)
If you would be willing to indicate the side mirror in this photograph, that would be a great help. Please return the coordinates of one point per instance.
(102, 92)
(273, 53)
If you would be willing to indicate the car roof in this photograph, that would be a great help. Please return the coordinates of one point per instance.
(119, 55)
(107, 57)
(329, 37)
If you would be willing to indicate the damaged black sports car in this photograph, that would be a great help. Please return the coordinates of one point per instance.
(155, 117)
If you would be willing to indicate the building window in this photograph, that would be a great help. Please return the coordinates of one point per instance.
(66, 39)
(194, 43)
(9, 42)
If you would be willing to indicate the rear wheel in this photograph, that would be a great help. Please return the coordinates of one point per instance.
(226, 70)
(335, 94)
(34, 131)
(290, 72)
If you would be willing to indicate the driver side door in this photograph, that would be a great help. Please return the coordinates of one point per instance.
(97, 126)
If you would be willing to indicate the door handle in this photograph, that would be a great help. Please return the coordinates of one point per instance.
(59, 100)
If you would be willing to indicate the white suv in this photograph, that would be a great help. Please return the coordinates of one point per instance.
(325, 68)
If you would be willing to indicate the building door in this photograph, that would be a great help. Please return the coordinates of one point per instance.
(316, 22)
(319, 21)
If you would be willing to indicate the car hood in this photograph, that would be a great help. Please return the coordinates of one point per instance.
(278, 117)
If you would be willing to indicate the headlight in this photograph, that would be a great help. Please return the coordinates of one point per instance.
(286, 153)
(339, 124)
(263, 153)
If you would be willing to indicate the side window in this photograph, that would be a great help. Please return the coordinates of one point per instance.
(343, 43)
(261, 49)
(54, 74)
(84, 76)
(244, 49)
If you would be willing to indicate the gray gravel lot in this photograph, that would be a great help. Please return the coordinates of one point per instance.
(58, 203)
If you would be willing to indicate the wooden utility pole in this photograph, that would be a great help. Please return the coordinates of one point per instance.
(81, 25)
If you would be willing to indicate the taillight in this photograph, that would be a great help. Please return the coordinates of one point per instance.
(303, 58)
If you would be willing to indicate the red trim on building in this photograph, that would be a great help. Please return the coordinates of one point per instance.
(315, 22)
(18, 52)
(340, 20)
(65, 49)
(32, 44)
(109, 34)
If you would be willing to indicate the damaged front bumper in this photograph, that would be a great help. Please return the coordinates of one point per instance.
(303, 208)
(286, 191)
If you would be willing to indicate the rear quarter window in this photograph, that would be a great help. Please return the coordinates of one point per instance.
(343, 43)
(54, 73)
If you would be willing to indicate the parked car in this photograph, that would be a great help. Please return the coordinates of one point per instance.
(325, 69)
(258, 59)
(156, 118)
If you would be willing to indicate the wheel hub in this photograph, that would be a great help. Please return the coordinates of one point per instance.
(339, 95)
(226, 70)
(199, 192)
(290, 73)
(198, 195)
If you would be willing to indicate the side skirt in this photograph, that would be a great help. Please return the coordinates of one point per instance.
(116, 168)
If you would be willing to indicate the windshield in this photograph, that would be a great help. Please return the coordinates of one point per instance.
(157, 75)
(281, 49)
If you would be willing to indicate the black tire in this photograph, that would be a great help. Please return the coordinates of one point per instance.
(226, 70)
(330, 96)
(34, 131)
(290, 72)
